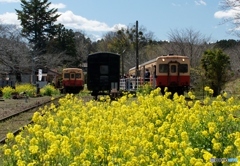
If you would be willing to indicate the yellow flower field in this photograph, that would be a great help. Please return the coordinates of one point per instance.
(149, 130)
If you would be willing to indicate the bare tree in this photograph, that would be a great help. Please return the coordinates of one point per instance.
(123, 42)
(234, 53)
(188, 42)
(232, 7)
(83, 46)
(14, 53)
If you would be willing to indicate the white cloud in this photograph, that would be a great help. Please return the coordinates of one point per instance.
(78, 22)
(10, 1)
(95, 37)
(9, 18)
(69, 19)
(231, 13)
(200, 2)
(93, 28)
(58, 6)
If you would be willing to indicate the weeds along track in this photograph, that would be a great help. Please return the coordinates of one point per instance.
(19, 116)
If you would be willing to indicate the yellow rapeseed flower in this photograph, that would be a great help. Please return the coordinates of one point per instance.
(155, 156)
(183, 144)
(18, 138)
(189, 151)
(205, 133)
(217, 146)
(207, 88)
(170, 163)
(206, 155)
(10, 136)
(21, 163)
(227, 150)
(147, 130)
(193, 160)
(33, 141)
(184, 136)
(217, 135)
(33, 149)
(237, 143)
(174, 145)
(210, 91)
(36, 116)
(7, 152)
(17, 154)
(190, 103)
(198, 163)
(221, 118)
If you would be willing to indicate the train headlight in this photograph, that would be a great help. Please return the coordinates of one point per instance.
(163, 59)
(183, 60)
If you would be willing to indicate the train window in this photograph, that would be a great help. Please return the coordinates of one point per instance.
(72, 75)
(163, 68)
(103, 69)
(173, 68)
(78, 75)
(183, 68)
(66, 75)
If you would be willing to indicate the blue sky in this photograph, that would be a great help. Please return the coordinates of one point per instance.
(96, 17)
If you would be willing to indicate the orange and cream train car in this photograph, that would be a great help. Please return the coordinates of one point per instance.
(171, 71)
(72, 80)
(149, 65)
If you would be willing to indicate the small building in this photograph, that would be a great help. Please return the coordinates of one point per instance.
(48, 76)
(27, 76)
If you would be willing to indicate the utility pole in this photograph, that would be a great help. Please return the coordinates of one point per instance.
(137, 59)
(123, 62)
(33, 72)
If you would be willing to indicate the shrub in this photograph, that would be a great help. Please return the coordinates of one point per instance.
(145, 89)
(29, 89)
(49, 90)
(84, 92)
(7, 92)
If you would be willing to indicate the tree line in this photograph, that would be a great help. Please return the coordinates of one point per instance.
(43, 43)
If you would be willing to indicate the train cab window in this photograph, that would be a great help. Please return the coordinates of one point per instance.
(72, 75)
(173, 68)
(163, 68)
(78, 75)
(103, 69)
(183, 68)
(66, 75)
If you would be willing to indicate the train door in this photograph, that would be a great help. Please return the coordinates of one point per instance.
(72, 76)
(104, 76)
(173, 74)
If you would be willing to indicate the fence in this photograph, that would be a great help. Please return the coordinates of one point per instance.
(134, 83)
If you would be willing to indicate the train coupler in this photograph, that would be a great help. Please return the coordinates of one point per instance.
(114, 94)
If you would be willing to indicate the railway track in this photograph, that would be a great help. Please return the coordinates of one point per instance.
(18, 119)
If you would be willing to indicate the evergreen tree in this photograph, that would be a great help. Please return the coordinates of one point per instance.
(37, 22)
(64, 41)
(217, 67)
